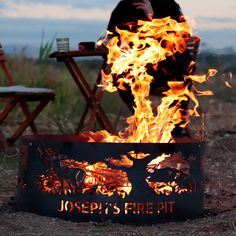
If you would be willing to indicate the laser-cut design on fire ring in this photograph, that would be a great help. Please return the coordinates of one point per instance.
(67, 176)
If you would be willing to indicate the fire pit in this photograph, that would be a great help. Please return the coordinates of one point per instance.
(123, 182)
(143, 174)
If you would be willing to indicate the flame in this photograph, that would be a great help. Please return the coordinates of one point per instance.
(167, 188)
(128, 59)
(138, 155)
(101, 179)
(174, 162)
(228, 83)
(135, 52)
(124, 161)
(49, 183)
(169, 161)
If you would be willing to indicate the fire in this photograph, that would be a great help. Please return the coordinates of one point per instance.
(135, 52)
(128, 57)
(139, 155)
(101, 179)
(124, 161)
(228, 83)
(172, 162)
(72, 176)
(167, 188)
(49, 183)
(169, 161)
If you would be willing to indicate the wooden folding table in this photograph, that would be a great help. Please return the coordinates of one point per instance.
(91, 94)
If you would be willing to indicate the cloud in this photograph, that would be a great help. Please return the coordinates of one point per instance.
(218, 39)
(214, 15)
(87, 4)
(29, 31)
(22, 21)
(210, 14)
(60, 11)
(210, 23)
(218, 19)
(102, 4)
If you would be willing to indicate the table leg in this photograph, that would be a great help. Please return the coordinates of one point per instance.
(92, 101)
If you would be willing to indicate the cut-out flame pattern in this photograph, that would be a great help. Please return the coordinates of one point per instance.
(174, 162)
(167, 188)
(169, 161)
(99, 178)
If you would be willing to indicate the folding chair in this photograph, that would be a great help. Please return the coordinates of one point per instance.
(16, 96)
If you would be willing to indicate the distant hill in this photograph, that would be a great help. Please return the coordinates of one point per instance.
(29, 51)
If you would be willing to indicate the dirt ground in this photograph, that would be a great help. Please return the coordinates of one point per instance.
(219, 216)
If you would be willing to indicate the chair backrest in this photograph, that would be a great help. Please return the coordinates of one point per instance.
(5, 68)
(193, 44)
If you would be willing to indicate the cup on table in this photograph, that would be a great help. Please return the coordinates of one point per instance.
(63, 44)
(86, 46)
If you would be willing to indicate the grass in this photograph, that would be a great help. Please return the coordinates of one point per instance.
(64, 112)
(68, 106)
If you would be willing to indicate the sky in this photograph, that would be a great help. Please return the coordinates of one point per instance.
(29, 23)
